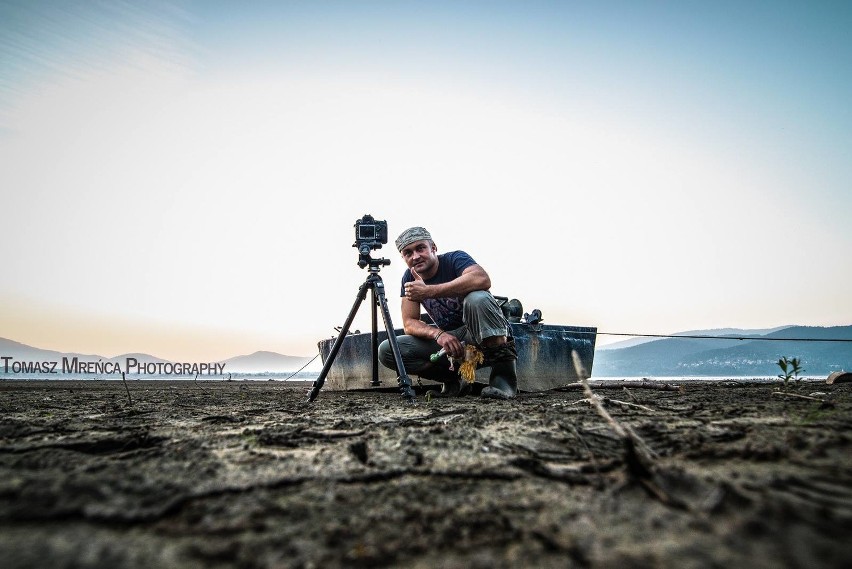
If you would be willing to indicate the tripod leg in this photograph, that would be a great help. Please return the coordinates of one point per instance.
(374, 342)
(320, 380)
(404, 381)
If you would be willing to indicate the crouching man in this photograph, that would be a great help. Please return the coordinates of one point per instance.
(454, 291)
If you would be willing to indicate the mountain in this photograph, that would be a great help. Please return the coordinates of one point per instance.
(264, 362)
(19, 351)
(719, 357)
(712, 332)
(14, 355)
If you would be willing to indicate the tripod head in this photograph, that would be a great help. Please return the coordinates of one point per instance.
(364, 260)
(370, 234)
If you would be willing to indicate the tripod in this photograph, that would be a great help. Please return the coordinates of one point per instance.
(373, 282)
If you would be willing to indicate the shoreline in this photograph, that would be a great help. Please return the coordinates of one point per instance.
(282, 378)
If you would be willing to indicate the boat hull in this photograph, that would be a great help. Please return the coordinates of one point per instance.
(544, 358)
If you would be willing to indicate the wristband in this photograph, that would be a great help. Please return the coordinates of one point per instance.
(438, 335)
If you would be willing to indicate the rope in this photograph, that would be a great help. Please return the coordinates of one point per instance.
(764, 338)
(301, 368)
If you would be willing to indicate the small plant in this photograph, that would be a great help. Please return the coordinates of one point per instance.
(791, 368)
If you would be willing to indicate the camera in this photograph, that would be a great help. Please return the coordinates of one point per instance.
(370, 233)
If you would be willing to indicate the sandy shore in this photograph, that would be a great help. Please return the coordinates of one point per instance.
(246, 474)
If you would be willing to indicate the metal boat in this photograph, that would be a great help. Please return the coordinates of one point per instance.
(544, 355)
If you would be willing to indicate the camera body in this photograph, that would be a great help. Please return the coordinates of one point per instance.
(370, 233)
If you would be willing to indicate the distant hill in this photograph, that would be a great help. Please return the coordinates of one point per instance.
(264, 362)
(17, 353)
(711, 332)
(719, 357)
(21, 351)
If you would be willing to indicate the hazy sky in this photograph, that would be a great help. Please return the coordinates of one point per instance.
(183, 178)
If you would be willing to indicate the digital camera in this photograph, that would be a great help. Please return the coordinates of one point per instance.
(370, 233)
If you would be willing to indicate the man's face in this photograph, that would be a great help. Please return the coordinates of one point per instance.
(422, 257)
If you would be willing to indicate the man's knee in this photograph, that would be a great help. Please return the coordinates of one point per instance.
(386, 355)
(406, 351)
(410, 350)
(477, 300)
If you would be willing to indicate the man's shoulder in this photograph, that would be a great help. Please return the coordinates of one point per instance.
(455, 261)
(455, 255)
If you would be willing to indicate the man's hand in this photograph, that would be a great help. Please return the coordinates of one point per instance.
(416, 290)
(451, 344)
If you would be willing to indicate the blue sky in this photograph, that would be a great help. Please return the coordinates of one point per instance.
(182, 178)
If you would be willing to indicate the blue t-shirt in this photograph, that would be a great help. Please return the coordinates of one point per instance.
(446, 313)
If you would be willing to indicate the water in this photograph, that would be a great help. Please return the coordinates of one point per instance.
(673, 378)
(312, 375)
(301, 376)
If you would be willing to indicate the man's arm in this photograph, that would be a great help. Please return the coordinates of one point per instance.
(472, 278)
(413, 326)
(411, 323)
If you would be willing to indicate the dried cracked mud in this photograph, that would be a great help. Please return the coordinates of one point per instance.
(248, 474)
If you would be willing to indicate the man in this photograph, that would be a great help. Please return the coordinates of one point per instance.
(454, 291)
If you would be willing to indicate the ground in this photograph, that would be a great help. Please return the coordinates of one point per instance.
(248, 474)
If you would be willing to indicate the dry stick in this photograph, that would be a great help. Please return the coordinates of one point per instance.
(627, 404)
(591, 453)
(124, 379)
(199, 386)
(623, 404)
(622, 384)
(639, 464)
(633, 397)
(593, 400)
(809, 398)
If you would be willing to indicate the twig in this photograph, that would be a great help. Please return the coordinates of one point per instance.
(593, 400)
(201, 387)
(808, 397)
(639, 462)
(615, 401)
(628, 392)
(588, 449)
(626, 404)
(622, 384)
(124, 379)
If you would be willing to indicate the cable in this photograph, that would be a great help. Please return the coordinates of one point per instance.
(301, 368)
(764, 338)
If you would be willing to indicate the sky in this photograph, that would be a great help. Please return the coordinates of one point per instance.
(183, 178)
